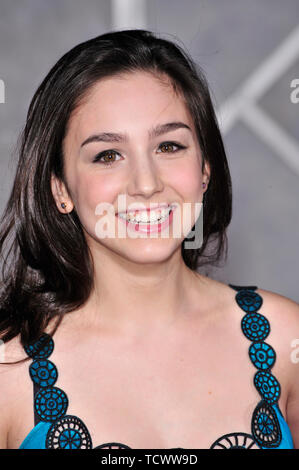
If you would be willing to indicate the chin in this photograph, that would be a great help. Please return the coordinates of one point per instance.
(148, 254)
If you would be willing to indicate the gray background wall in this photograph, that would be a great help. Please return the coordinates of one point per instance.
(250, 53)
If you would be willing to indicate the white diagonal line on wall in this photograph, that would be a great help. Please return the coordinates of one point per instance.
(273, 135)
(242, 104)
(259, 81)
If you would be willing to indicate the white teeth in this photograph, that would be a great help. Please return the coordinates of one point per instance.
(143, 217)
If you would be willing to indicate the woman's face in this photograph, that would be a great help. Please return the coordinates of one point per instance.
(142, 167)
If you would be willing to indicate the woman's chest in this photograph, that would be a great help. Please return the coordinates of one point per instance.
(167, 399)
(184, 391)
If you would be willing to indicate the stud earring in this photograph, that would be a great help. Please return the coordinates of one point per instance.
(203, 185)
(63, 205)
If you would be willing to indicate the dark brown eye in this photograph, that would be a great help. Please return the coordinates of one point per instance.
(106, 158)
(166, 146)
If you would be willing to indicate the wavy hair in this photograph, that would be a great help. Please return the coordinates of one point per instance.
(41, 279)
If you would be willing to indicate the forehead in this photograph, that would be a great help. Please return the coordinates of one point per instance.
(128, 102)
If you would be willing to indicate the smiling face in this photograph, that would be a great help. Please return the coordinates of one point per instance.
(152, 161)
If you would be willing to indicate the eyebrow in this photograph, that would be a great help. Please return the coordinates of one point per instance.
(154, 132)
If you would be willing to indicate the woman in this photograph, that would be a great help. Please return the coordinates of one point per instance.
(150, 353)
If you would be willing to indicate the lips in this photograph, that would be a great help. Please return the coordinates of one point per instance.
(139, 208)
(150, 227)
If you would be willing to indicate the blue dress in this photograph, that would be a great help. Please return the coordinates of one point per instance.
(55, 429)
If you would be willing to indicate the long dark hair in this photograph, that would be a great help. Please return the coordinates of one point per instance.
(41, 278)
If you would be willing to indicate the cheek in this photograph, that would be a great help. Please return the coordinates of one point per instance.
(92, 190)
(187, 181)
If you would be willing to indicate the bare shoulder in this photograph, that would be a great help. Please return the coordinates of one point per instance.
(282, 310)
(283, 314)
(280, 303)
(11, 376)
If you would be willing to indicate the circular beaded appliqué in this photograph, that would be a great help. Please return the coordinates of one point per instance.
(68, 432)
(51, 404)
(265, 426)
(262, 355)
(42, 348)
(267, 386)
(255, 326)
(235, 440)
(248, 300)
(43, 373)
(112, 445)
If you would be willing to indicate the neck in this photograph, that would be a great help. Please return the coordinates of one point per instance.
(138, 298)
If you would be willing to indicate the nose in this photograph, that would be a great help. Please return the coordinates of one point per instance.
(144, 179)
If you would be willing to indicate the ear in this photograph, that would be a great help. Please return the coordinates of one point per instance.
(206, 175)
(61, 195)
